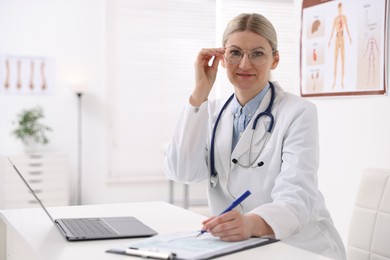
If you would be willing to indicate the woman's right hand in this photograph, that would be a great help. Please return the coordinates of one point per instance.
(205, 74)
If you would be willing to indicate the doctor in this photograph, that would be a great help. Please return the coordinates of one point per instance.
(274, 155)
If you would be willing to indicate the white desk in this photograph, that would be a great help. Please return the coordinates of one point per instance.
(31, 235)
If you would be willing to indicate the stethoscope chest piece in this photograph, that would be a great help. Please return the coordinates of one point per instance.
(214, 180)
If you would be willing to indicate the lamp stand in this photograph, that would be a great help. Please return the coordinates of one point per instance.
(79, 150)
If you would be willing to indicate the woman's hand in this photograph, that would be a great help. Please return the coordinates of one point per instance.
(234, 226)
(205, 74)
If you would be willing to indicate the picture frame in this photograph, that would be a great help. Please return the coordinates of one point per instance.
(25, 75)
(343, 47)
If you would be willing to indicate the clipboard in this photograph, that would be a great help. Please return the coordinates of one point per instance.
(185, 245)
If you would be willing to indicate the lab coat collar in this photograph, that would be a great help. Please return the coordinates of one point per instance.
(259, 133)
(224, 133)
(242, 146)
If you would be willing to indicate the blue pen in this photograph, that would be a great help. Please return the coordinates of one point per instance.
(234, 204)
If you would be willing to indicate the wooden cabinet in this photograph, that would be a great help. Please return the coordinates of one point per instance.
(47, 174)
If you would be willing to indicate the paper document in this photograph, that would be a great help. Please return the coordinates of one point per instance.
(185, 245)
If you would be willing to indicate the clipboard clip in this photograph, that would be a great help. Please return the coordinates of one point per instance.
(144, 253)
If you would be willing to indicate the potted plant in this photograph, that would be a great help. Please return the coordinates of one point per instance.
(29, 128)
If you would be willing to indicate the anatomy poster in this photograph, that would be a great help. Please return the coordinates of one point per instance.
(24, 75)
(343, 47)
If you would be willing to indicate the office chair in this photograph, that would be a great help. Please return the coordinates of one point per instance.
(369, 231)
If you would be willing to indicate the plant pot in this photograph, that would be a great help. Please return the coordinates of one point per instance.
(30, 145)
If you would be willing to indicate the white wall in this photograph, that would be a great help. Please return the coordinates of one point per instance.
(354, 132)
(354, 135)
(71, 34)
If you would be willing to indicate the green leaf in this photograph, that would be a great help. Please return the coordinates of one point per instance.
(29, 126)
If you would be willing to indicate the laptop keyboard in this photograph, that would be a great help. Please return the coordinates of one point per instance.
(88, 227)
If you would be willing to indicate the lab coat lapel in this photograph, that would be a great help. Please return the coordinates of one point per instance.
(242, 146)
(223, 140)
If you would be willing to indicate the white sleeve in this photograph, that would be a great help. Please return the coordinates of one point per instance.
(186, 155)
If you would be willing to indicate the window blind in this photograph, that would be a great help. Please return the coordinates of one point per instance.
(151, 50)
(152, 47)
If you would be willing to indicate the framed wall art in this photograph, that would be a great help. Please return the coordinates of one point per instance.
(25, 75)
(343, 48)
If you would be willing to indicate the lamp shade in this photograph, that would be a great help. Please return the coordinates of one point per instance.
(79, 88)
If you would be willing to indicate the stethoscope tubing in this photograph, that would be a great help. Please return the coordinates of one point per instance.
(212, 145)
(267, 112)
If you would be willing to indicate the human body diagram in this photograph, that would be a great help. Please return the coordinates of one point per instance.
(339, 24)
(370, 54)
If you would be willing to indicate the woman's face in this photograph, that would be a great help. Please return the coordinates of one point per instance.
(246, 76)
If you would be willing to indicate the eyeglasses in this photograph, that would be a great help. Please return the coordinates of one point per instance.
(258, 56)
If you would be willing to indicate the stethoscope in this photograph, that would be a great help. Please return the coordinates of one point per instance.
(267, 112)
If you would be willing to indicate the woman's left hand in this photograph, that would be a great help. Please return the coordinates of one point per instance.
(234, 226)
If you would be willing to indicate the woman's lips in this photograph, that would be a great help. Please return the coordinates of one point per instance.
(245, 75)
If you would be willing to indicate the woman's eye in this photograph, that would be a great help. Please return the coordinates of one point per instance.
(257, 54)
(235, 53)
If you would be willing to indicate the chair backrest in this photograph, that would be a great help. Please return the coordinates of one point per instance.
(369, 231)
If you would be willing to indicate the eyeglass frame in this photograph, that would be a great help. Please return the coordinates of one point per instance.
(249, 54)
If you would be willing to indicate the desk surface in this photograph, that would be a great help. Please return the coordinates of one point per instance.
(30, 233)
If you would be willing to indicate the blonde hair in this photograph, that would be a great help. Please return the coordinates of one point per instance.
(255, 23)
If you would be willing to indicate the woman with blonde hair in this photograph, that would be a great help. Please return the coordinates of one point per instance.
(261, 139)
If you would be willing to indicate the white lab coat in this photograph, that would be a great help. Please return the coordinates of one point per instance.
(284, 190)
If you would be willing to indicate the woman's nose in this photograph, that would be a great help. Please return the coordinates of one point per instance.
(245, 61)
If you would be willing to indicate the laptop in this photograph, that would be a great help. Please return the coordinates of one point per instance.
(80, 229)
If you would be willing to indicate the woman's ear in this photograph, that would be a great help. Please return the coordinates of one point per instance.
(276, 60)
